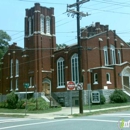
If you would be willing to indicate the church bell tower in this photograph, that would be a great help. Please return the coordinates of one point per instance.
(39, 42)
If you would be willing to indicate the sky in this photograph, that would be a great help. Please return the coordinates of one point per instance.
(115, 13)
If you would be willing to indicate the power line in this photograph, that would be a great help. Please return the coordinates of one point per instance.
(43, 2)
(114, 3)
(107, 11)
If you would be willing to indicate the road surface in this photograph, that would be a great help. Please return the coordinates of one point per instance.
(96, 122)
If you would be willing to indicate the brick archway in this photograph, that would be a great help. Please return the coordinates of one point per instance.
(46, 86)
(126, 77)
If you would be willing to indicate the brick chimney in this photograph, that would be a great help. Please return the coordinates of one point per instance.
(97, 26)
(14, 44)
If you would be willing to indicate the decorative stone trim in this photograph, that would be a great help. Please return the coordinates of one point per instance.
(37, 11)
(66, 67)
(52, 55)
(52, 69)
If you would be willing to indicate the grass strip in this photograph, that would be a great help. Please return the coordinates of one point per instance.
(102, 112)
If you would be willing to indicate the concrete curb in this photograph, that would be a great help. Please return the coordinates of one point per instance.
(61, 117)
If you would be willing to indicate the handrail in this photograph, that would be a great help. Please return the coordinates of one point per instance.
(126, 87)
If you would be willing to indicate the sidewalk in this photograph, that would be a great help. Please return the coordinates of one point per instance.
(64, 113)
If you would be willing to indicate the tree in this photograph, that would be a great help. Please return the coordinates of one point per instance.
(61, 46)
(128, 43)
(12, 100)
(4, 39)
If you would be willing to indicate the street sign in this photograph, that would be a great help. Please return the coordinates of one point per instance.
(70, 85)
(95, 97)
(80, 86)
(26, 85)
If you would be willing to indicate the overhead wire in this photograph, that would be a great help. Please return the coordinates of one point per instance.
(23, 63)
(117, 3)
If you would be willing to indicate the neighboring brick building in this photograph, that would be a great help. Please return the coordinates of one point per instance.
(104, 60)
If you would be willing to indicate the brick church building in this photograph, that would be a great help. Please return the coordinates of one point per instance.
(105, 61)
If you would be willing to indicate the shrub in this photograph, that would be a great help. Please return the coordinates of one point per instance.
(20, 104)
(12, 100)
(3, 104)
(31, 106)
(102, 99)
(118, 96)
(41, 104)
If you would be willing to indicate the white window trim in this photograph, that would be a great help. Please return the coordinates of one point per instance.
(105, 55)
(61, 61)
(95, 82)
(48, 25)
(11, 85)
(113, 54)
(108, 81)
(11, 68)
(31, 81)
(17, 68)
(42, 21)
(32, 24)
(119, 57)
(16, 83)
(63, 86)
(74, 71)
(29, 26)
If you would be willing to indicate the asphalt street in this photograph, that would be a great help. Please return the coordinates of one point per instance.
(96, 122)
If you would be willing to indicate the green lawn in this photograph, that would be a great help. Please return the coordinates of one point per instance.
(106, 105)
(5, 110)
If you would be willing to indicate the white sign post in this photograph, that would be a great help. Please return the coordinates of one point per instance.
(70, 87)
(26, 85)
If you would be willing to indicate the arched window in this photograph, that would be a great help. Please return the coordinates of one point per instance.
(119, 57)
(60, 73)
(17, 68)
(95, 78)
(74, 68)
(113, 56)
(11, 85)
(47, 24)
(105, 55)
(16, 84)
(42, 23)
(11, 68)
(31, 81)
(108, 78)
(30, 26)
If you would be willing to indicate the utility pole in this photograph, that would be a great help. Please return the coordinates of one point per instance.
(79, 16)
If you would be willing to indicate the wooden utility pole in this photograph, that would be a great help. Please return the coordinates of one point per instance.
(79, 16)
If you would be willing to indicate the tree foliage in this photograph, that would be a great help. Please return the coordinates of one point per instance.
(4, 39)
(12, 100)
(118, 96)
(128, 43)
(60, 46)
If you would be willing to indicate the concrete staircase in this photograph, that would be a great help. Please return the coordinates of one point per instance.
(45, 98)
(126, 90)
(53, 102)
(50, 99)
